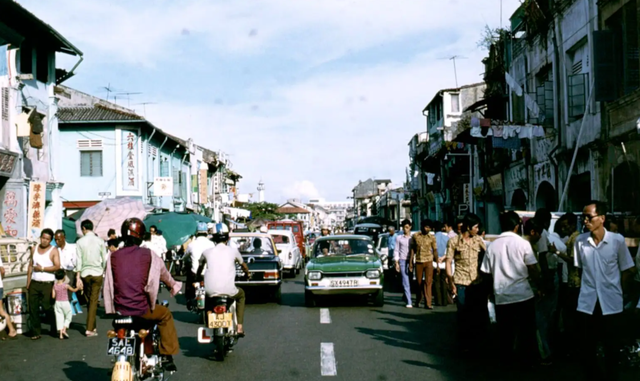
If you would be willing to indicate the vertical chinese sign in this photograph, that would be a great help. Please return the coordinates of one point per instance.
(203, 188)
(37, 200)
(10, 215)
(130, 179)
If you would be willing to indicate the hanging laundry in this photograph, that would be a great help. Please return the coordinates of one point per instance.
(510, 143)
(476, 132)
(538, 131)
(532, 106)
(513, 84)
(475, 122)
(485, 122)
(497, 131)
(510, 131)
(525, 132)
(486, 131)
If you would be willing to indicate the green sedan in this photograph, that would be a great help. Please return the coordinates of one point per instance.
(344, 265)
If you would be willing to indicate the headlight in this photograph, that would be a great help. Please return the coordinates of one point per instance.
(373, 274)
(315, 275)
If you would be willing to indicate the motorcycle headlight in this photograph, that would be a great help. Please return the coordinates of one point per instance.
(315, 275)
(372, 274)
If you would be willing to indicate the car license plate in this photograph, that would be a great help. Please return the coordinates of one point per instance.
(220, 320)
(343, 283)
(119, 347)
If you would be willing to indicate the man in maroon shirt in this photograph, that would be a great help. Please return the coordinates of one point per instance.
(132, 279)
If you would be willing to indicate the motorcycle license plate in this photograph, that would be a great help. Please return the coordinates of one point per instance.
(220, 320)
(124, 347)
(343, 283)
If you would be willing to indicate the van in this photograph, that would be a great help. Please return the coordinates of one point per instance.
(296, 227)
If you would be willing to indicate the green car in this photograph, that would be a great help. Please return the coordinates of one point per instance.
(344, 265)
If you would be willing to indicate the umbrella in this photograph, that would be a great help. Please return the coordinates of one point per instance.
(69, 227)
(111, 213)
(176, 227)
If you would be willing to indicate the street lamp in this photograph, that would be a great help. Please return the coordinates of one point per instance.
(471, 204)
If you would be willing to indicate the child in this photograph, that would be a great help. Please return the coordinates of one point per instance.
(62, 307)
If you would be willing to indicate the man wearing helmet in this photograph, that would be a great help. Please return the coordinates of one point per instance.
(132, 281)
(194, 252)
(220, 277)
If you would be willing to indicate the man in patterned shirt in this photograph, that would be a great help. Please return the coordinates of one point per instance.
(464, 249)
(425, 248)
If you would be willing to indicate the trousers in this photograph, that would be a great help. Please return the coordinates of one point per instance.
(424, 275)
(161, 316)
(40, 296)
(63, 314)
(406, 280)
(92, 286)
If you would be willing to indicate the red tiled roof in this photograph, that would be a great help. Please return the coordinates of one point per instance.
(291, 210)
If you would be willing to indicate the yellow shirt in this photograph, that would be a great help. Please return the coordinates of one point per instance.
(424, 246)
(465, 254)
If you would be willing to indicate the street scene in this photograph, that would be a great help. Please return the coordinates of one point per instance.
(289, 190)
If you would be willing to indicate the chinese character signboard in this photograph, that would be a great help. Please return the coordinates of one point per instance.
(130, 178)
(7, 163)
(203, 188)
(10, 221)
(163, 186)
(37, 200)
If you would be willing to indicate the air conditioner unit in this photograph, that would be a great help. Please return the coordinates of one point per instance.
(194, 196)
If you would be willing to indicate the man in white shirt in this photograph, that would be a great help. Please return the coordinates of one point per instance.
(192, 256)
(511, 262)
(158, 241)
(68, 257)
(606, 266)
(220, 277)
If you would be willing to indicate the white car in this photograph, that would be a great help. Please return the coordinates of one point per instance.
(288, 251)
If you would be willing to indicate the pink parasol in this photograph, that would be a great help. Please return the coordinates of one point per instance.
(111, 213)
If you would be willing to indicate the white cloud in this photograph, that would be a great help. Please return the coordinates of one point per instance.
(302, 190)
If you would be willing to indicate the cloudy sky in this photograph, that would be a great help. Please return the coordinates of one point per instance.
(308, 95)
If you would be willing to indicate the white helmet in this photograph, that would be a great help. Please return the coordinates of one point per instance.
(325, 227)
(264, 229)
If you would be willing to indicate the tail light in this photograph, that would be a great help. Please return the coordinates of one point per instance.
(121, 333)
(219, 309)
(111, 334)
(271, 275)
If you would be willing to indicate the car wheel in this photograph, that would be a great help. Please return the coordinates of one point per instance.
(378, 300)
(309, 299)
(277, 296)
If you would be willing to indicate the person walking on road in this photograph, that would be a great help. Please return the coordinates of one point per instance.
(68, 257)
(60, 294)
(464, 249)
(158, 241)
(426, 250)
(92, 260)
(448, 229)
(3, 313)
(442, 296)
(512, 264)
(403, 258)
(391, 245)
(606, 266)
(45, 261)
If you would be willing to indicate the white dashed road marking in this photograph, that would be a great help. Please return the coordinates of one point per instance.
(327, 360)
(325, 316)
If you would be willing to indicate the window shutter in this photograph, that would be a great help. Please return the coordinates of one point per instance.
(85, 164)
(577, 92)
(91, 163)
(548, 102)
(96, 163)
(540, 99)
(604, 66)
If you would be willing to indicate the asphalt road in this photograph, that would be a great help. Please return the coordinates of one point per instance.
(345, 339)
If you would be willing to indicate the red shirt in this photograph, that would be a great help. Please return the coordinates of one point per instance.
(130, 268)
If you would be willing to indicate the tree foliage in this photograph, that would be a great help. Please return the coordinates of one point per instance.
(263, 210)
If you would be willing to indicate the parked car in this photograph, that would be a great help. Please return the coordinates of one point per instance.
(261, 255)
(344, 264)
(288, 251)
(368, 229)
(294, 226)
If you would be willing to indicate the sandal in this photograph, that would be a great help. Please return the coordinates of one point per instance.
(241, 334)
(65, 335)
(37, 337)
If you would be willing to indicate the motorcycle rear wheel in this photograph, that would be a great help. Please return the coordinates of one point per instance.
(219, 348)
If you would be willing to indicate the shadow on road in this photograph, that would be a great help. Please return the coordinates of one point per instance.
(80, 371)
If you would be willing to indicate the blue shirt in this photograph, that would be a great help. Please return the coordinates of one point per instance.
(391, 243)
(442, 240)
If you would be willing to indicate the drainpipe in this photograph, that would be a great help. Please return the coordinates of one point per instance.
(182, 164)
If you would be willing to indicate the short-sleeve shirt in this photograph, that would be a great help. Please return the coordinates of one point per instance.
(506, 260)
(466, 256)
(391, 243)
(424, 245)
(601, 267)
(220, 277)
(573, 275)
(442, 239)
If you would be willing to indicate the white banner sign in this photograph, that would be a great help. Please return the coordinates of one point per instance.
(163, 186)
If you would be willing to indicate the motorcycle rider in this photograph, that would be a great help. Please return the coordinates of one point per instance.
(219, 279)
(132, 278)
(194, 252)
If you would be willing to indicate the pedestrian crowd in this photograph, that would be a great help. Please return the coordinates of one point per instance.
(566, 292)
(59, 271)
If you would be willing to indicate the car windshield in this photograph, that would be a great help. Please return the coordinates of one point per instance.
(247, 245)
(353, 246)
(280, 239)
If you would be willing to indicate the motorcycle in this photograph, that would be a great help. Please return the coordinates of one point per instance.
(135, 344)
(174, 257)
(220, 326)
(197, 305)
